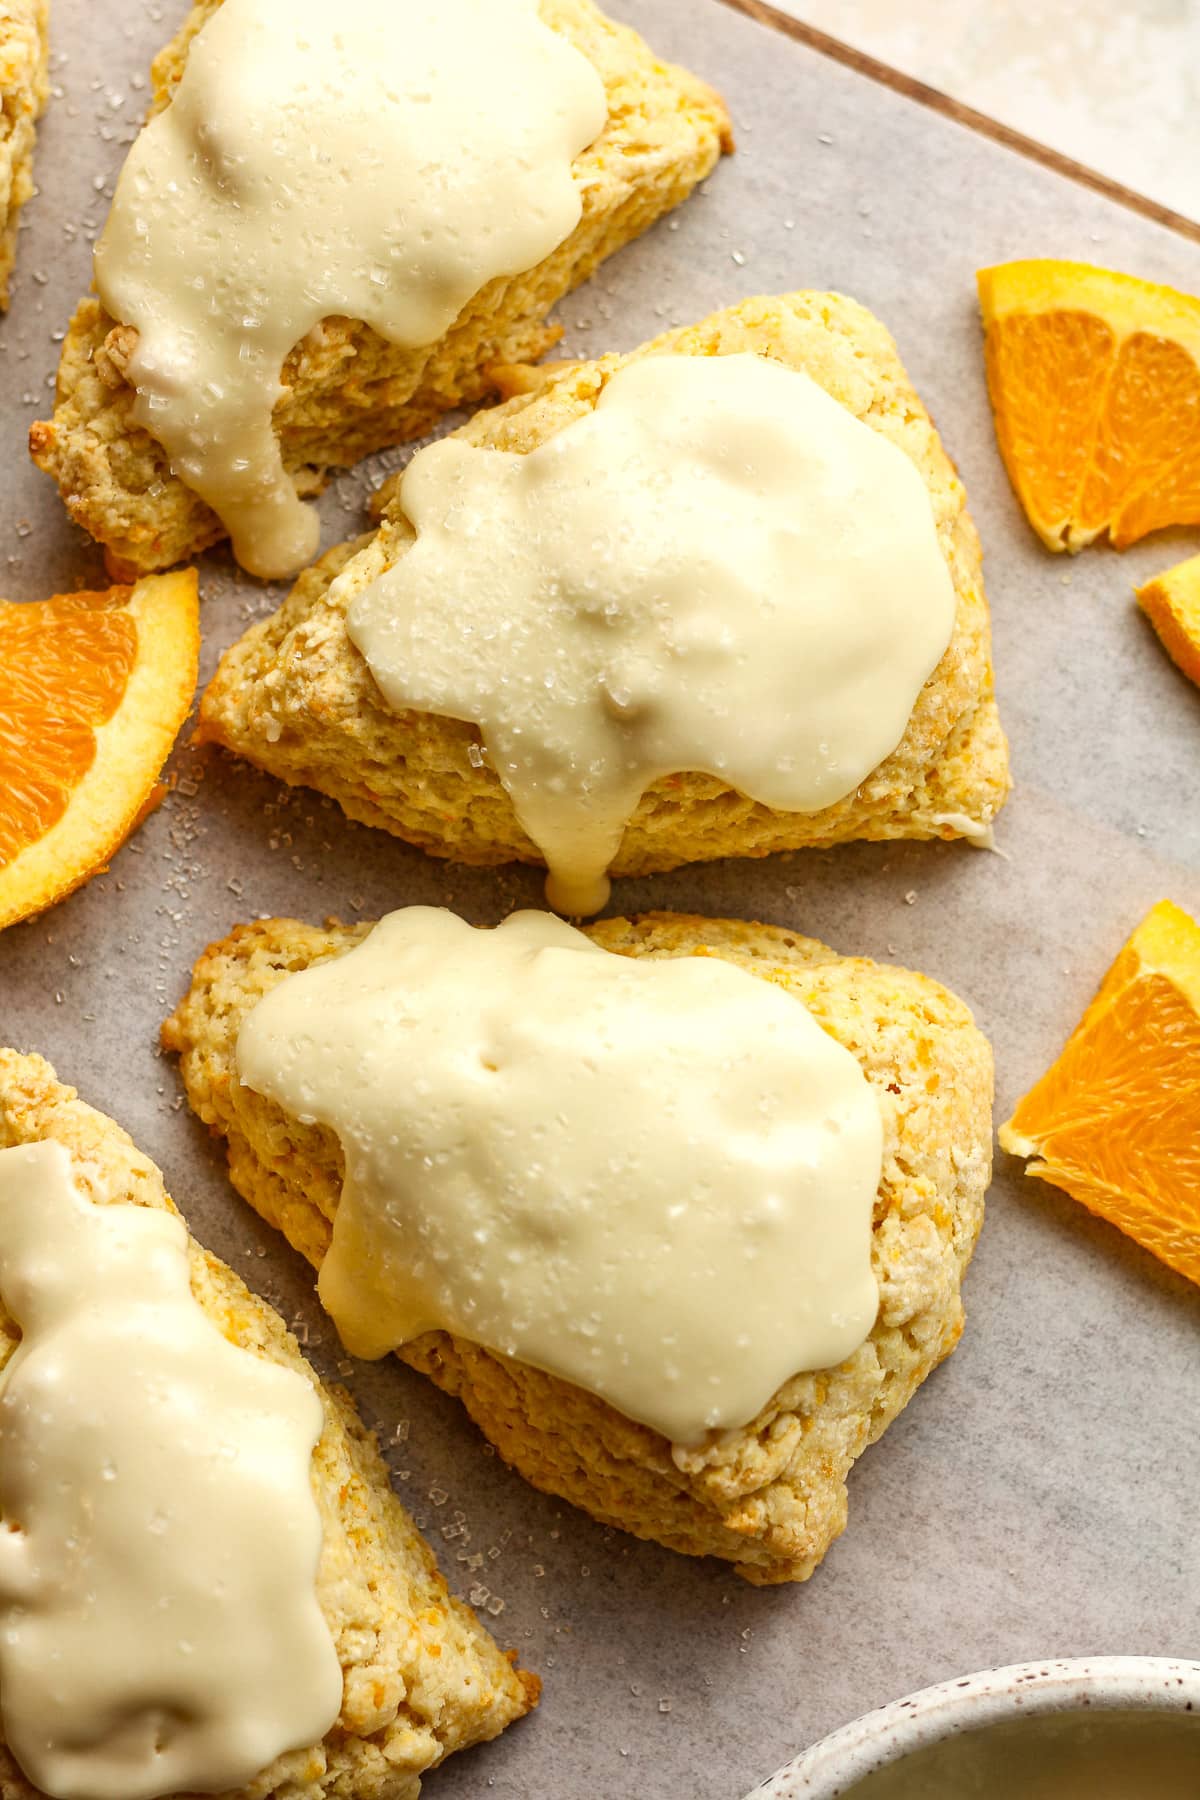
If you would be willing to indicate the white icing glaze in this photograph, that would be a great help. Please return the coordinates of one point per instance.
(324, 157)
(720, 570)
(652, 1177)
(975, 831)
(159, 1625)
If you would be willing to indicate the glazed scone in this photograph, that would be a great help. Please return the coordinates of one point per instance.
(295, 696)
(348, 391)
(421, 1676)
(24, 88)
(770, 1497)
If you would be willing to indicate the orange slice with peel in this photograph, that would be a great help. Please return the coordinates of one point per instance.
(1116, 1120)
(1095, 385)
(1171, 602)
(93, 689)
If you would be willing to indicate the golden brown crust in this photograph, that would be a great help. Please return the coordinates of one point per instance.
(422, 1678)
(347, 391)
(296, 697)
(770, 1498)
(24, 90)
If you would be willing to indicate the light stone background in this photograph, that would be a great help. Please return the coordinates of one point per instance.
(1038, 1498)
(1112, 84)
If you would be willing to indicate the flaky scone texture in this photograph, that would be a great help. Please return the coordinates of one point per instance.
(24, 89)
(347, 391)
(771, 1497)
(421, 1676)
(296, 697)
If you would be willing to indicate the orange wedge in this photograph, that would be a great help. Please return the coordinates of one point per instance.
(1171, 602)
(1116, 1120)
(93, 689)
(1095, 385)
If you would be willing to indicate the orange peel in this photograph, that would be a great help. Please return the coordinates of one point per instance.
(1171, 602)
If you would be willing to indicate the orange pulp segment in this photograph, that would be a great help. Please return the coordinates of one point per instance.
(93, 689)
(1116, 1120)
(1094, 380)
(1171, 602)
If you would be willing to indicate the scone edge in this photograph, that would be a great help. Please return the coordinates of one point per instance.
(773, 1498)
(294, 696)
(410, 1652)
(348, 392)
(24, 91)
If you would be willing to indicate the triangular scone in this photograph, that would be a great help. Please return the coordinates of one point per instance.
(347, 391)
(24, 88)
(296, 697)
(771, 1497)
(422, 1678)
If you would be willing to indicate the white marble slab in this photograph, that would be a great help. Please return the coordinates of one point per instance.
(1114, 86)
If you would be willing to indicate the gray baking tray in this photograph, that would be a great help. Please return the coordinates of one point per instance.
(1038, 1498)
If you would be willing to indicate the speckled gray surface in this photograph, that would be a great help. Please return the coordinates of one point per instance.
(1038, 1497)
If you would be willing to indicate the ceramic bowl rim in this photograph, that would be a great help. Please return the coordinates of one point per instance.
(879, 1739)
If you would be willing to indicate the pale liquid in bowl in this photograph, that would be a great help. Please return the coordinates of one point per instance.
(1085, 1755)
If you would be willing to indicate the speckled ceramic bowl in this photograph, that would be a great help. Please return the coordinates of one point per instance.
(1105, 1728)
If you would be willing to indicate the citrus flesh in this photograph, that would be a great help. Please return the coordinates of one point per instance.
(1116, 1119)
(1094, 379)
(93, 690)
